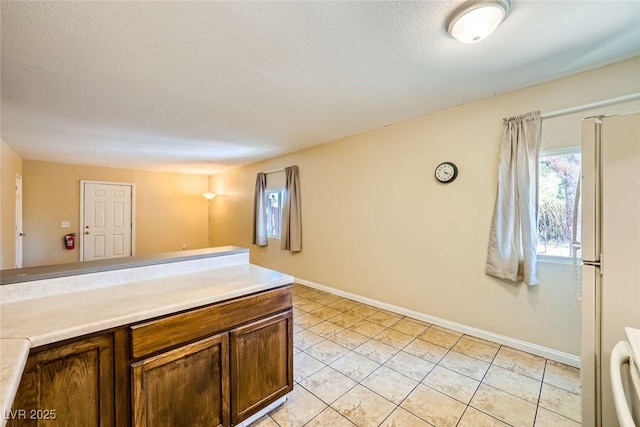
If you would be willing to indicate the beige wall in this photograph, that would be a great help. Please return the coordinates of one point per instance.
(375, 223)
(11, 164)
(170, 209)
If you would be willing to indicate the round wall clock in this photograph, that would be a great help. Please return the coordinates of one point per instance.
(446, 172)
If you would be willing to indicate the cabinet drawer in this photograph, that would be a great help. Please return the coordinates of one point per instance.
(156, 335)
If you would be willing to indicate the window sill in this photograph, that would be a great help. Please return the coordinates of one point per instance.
(555, 259)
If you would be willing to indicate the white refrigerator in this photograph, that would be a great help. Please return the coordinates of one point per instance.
(610, 252)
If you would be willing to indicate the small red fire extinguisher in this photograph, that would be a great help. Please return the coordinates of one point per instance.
(70, 241)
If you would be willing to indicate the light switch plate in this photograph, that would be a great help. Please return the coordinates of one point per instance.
(65, 224)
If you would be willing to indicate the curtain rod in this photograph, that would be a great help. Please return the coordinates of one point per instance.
(579, 108)
(274, 171)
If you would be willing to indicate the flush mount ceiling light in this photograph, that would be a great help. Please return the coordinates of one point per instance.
(476, 19)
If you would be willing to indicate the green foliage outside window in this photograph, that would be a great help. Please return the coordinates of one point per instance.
(558, 180)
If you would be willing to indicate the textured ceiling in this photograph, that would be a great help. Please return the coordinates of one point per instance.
(199, 87)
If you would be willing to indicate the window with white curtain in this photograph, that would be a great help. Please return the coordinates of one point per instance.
(275, 200)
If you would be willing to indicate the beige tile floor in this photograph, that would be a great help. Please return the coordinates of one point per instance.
(357, 365)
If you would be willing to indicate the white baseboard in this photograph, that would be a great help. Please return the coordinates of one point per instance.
(261, 413)
(547, 353)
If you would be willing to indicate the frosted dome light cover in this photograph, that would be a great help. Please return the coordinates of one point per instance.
(475, 20)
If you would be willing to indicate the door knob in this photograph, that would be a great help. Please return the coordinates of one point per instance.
(86, 232)
(22, 234)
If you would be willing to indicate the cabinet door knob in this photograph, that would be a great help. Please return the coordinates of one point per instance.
(86, 232)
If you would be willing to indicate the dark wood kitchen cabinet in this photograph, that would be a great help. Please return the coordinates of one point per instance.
(187, 386)
(240, 350)
(261, 364)
(71, 385)
(214, 365)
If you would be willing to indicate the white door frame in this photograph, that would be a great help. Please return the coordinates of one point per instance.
(133, 213)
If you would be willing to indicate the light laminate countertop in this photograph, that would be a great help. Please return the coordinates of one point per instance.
(34, 322)
(13, 357)
(28, 274)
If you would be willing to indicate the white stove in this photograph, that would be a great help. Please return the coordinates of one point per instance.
(633, 343)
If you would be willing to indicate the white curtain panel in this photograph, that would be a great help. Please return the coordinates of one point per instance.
(291, 239)
(260, 211)
(513, 237)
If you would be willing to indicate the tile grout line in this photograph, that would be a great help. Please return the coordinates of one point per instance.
(363, 379)
(556, 412)
(372, 372)
(476, 390)
(420, 382)
(544, 371)
(398, 350)
(444, 367)
(328, 405)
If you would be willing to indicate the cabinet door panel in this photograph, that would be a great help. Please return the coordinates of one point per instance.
(261, 364)
(188, 386)
(71, 386)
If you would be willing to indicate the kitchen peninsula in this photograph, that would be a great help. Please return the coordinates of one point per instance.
(190, 338)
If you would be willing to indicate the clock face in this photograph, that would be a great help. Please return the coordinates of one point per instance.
(446, 172)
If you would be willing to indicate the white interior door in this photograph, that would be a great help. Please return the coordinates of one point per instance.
(106, 220)
(19, 231)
